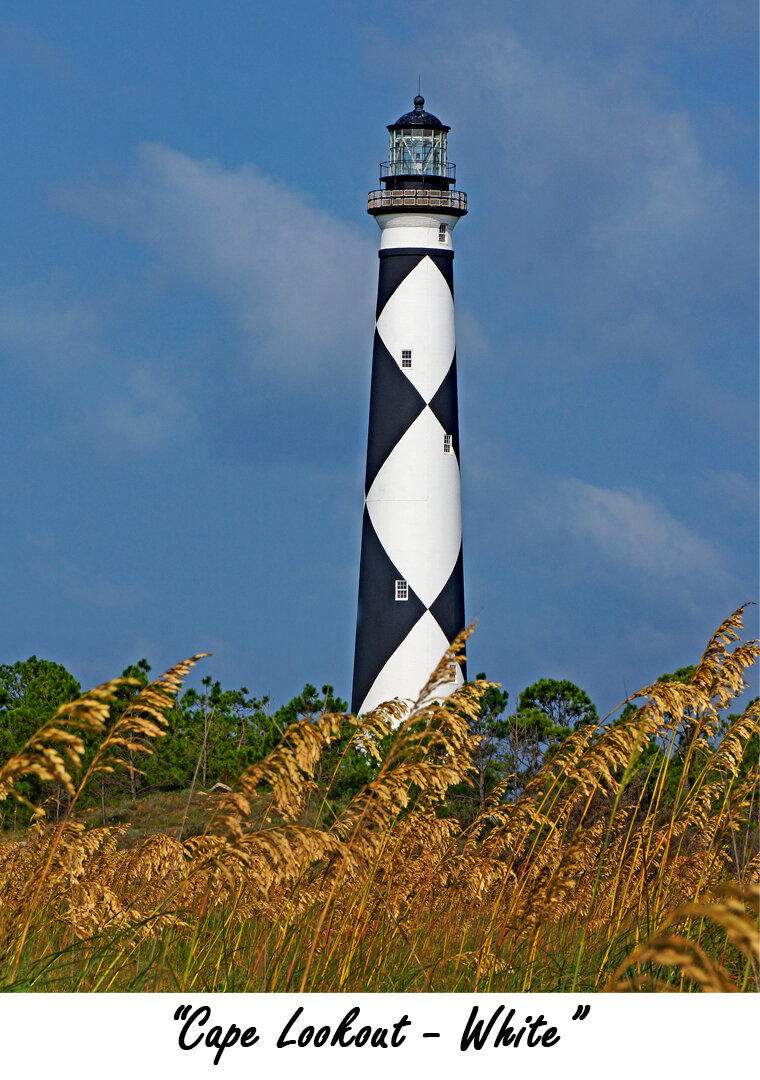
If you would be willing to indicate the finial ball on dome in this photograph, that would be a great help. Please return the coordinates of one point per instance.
(418, 118)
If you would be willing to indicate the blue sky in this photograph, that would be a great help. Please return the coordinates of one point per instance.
(186, 316)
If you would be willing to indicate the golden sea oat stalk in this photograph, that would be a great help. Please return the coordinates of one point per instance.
(734, 910)
(144, 717)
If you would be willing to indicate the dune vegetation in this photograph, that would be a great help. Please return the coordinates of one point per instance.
(628, 861)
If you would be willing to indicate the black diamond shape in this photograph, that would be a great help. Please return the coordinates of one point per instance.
(394, 405)
(444, 405)
(383, 622)
(445, 264)
(393, 269)
(448, 607)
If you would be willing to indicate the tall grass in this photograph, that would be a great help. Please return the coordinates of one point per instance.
(603, 873)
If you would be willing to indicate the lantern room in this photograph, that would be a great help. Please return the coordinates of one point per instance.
(417, 152)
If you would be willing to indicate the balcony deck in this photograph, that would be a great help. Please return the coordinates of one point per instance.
(453, 202)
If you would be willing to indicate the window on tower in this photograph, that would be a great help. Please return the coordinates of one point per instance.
(402, 589)
(406, 357)
(447, 444)
(442, 234)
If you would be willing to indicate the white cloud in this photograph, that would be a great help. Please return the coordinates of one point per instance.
(605, 210)
(46, 326)
(140, 414)
(297, 280)
(739, 493)
(610, 181)
(23, 46)
(576, 531)
(112, 400)
(639, 533)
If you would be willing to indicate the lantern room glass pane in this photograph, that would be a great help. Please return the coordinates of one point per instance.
(418, 151)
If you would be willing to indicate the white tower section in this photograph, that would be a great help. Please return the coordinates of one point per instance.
(411, 594)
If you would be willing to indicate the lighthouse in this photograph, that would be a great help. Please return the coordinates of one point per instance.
(411, 586)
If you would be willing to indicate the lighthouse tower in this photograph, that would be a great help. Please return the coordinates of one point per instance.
(411, 589)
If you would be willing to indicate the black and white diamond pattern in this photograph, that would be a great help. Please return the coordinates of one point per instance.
(412, 520)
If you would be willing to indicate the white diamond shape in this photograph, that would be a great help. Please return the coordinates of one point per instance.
(420, 316)
(411, 665)
(415, 509)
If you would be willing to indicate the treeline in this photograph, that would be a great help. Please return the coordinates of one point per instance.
(214, 734)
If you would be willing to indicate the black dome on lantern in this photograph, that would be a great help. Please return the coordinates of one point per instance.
(418, 118)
